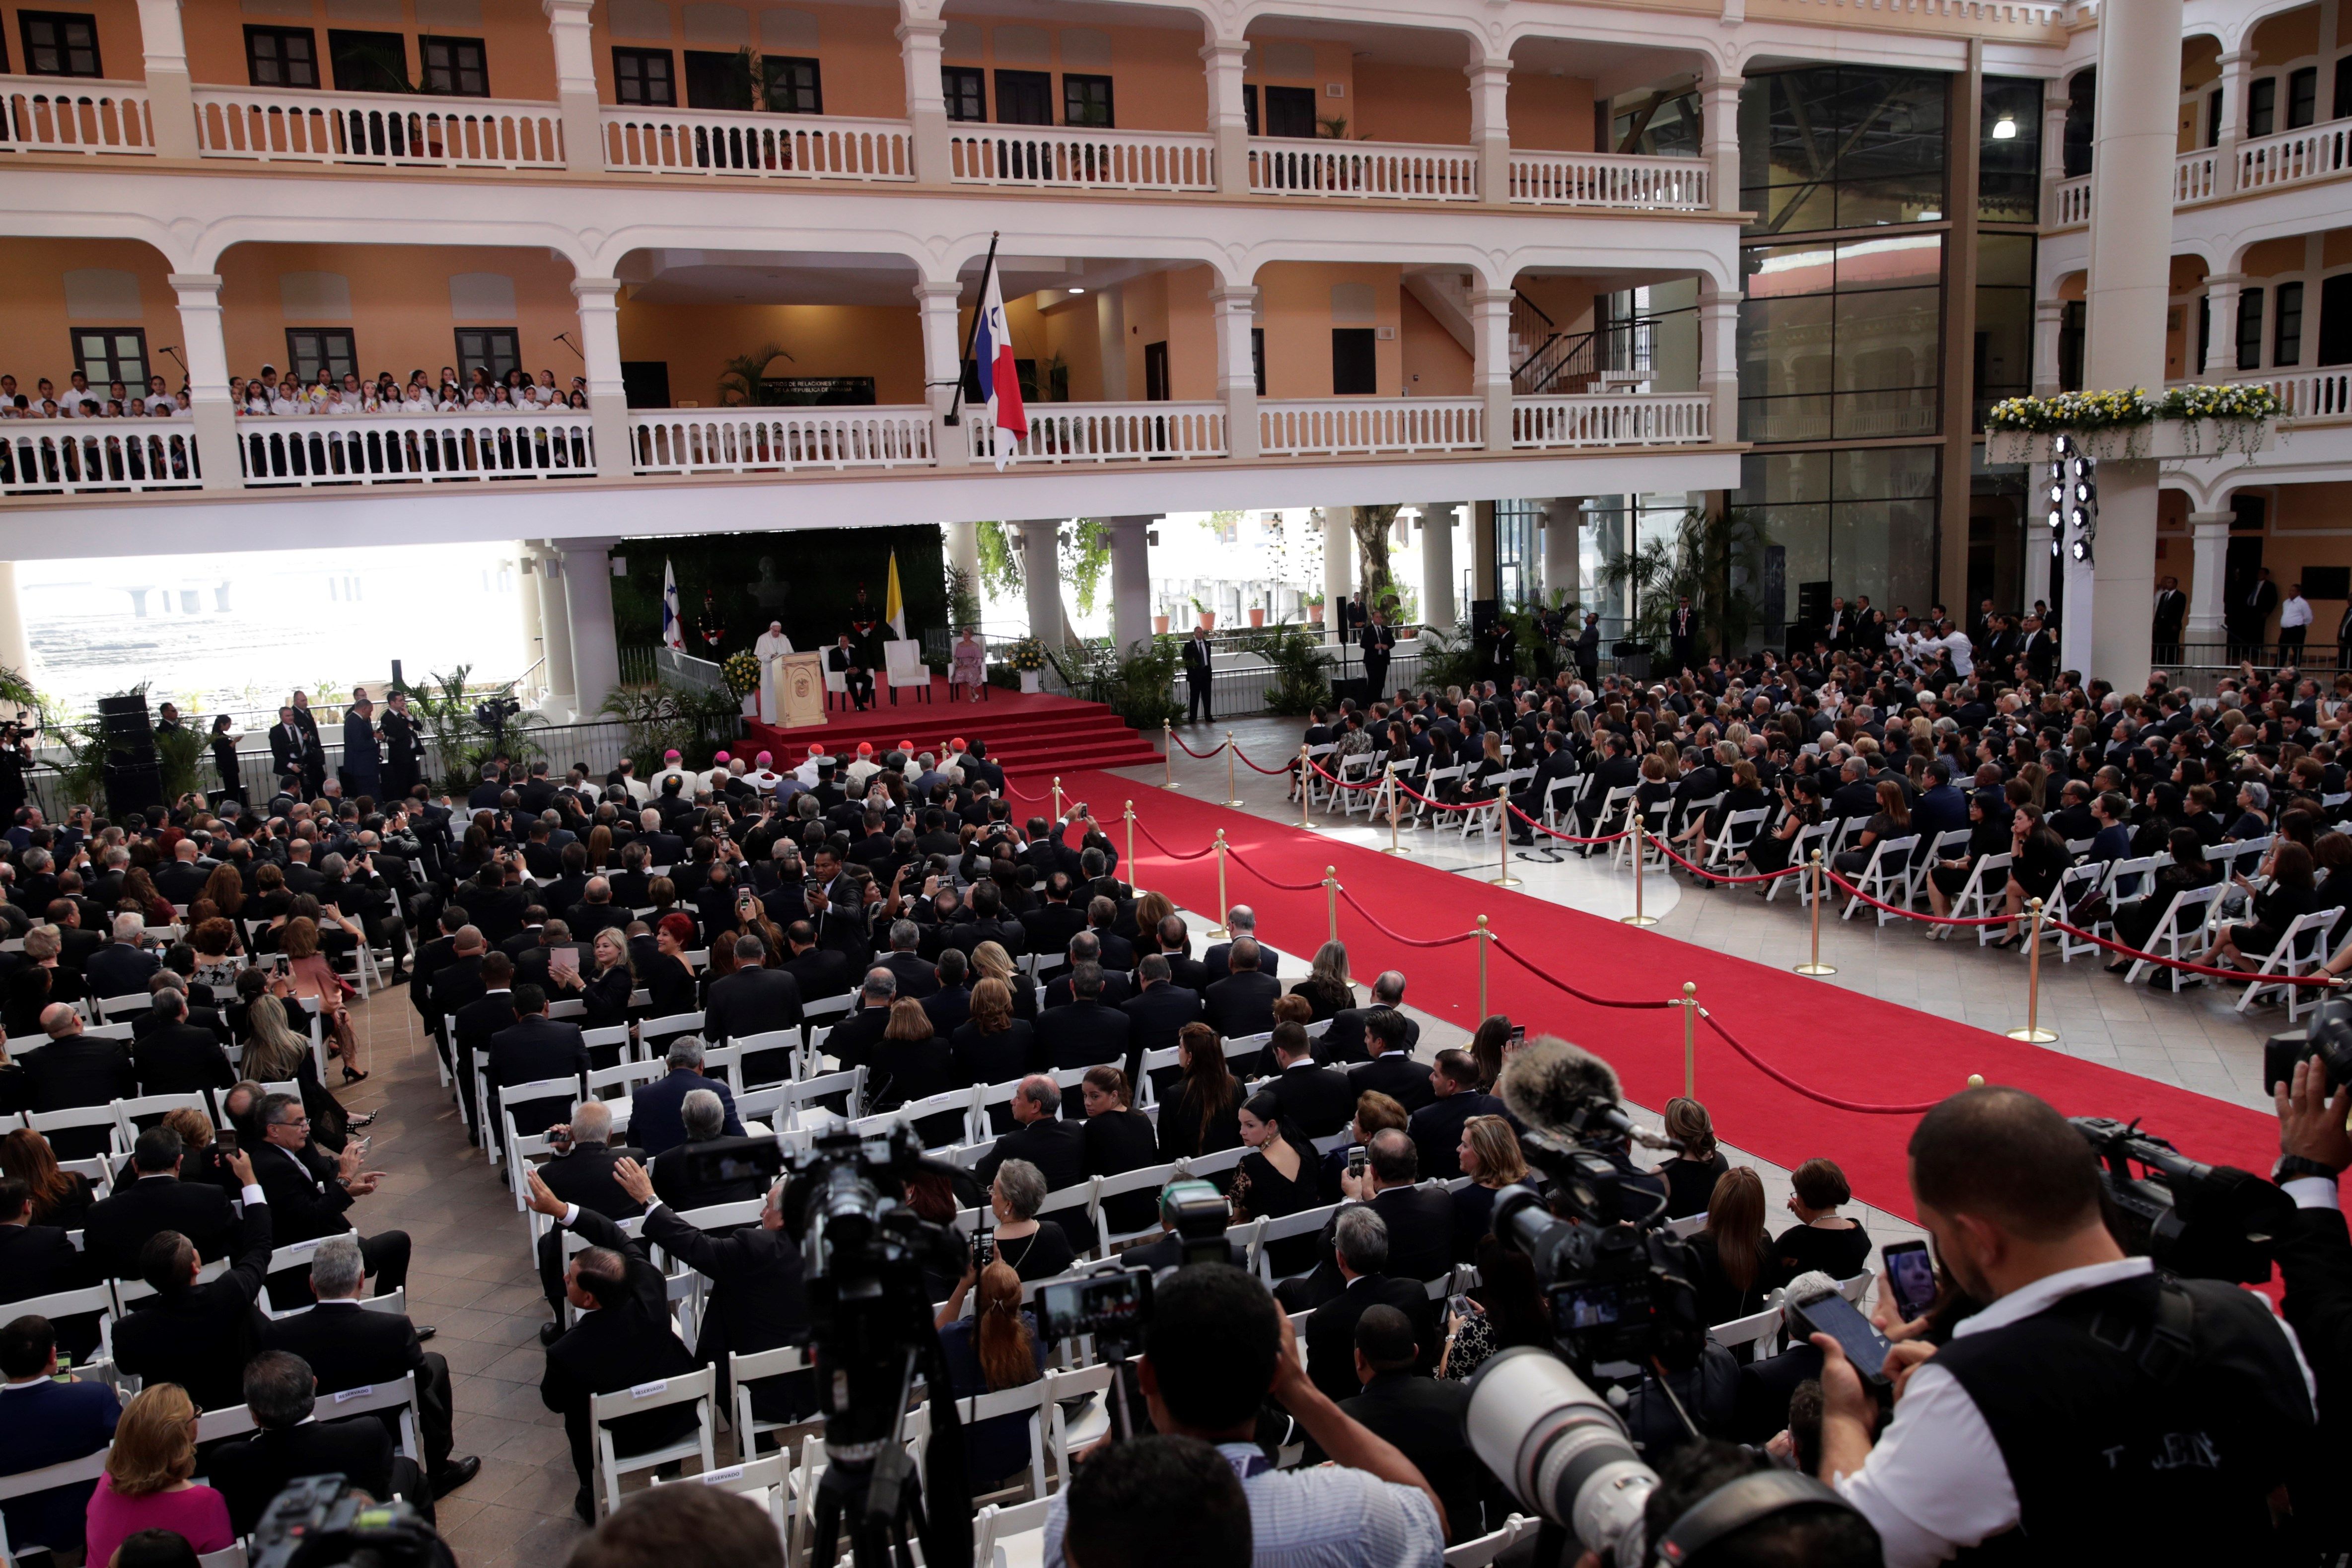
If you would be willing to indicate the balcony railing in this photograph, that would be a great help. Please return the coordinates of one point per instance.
(778, 440)
(794, 147)
(374, 128)
(416, 448)
(1075, 158)
(1609, 420)
(1608, 180)
(41, 114)
(1370, 170)
(2073, 200)
(2196, 177)
(1108, 433)
(72, 456)
(1350, 426)
(2311, 154)
(2308, 395)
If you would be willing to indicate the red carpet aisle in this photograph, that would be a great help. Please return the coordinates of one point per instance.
(1853, 1047)
(1026, 734)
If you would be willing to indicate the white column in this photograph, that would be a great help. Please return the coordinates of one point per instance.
(1041, 574)
(575, 83)
(2037, 556)
(1437, 521)
(2236, 77)
(1719, 139)
(527, 599)
(608, 395)
(919, 32)
(1490, 369)
(555, 630)
(2208, 575)
(2222, 336)
(1718, 359)
(1228, 111)
(588, 609)
(2049, 317)
(15, 647)
(2129, 292)
(964, 554)
(2054, 106)
(1236, 312)
(943, 368)
(202, 340)
(1130, 580)
(1338, 565)
(171, 102)
(1490, 126)
(1563, 521)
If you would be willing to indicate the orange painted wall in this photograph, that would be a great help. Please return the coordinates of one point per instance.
(858, 58)
(2273, 256)
(401, 318)
(2287, 36)
(1412, 103)
(34, 338)
(2298, 515)
(885, 341)
(1268, 66)
(1157, 82)
(1550, 114)
(520, 57)
(118, 53)
(1296, 297)
(1432, 364)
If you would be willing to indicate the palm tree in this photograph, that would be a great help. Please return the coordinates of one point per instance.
(744, 381)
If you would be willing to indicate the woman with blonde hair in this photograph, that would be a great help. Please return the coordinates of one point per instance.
(995, 1349)
(992, 1045)
(1692, 1175)
(146, 1483)
(275, 1053)
(989, 959)
(1490, 1156)
(308, 970)
(1326, 986)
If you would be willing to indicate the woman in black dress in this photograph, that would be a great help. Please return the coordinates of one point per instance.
(2037, 863)
(1204, 1113)
(1821, 1238)
(1691, 1175)
(2244, 945)
(669, 979)
(38, 982)
(990, 960)
(1490, 1156)
(992, 1045)
(1276, 1177)
(2136, 923)
(1737, 1265)
(1118, 1139)
(1034, 1249)
(1769, 851)
(225, 760)
(62, 1198)
(1326, 986)
(1949, 877)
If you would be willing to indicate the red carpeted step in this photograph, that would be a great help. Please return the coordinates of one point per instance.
(1027, 735)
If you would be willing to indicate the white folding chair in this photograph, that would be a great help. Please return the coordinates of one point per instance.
(1027, 1399)
(1071, 1434)
(1483, 1551)
(513, 1095)
(127, 1112)
(1761, 1329)
(1144, 1179)
(97, 1298)
(746, 1046)
(117, 1009)
(2300, 949)
(1886, 878)
(2180, 933)
(693, 1387)
(1739, 831)
(83, 1472)
(1949, 845)
(766, 1482)
(994, 1526)
(1981, 898)
(743, 1371)
(1809, 839)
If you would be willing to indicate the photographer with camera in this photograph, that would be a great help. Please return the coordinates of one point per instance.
(2094, 1409)
(1216, 1348)
(2314, 1253)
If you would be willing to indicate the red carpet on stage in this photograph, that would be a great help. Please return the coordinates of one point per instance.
(1851, 1046)
(1026, 733)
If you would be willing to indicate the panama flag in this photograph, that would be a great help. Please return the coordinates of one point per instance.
(894, 608)
(673, 632)
(992, 350)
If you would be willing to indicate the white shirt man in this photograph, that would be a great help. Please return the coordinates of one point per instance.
(672, 767)
(2296, 611)
(806, 772)
(764, 778)
(771, 644)
(864, 768)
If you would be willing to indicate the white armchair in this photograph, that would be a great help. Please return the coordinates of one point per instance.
(903, 661)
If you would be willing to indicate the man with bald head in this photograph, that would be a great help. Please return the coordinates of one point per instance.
(581, 1172)
(73, 1070)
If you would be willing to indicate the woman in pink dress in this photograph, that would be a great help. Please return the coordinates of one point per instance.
(146, 1484)
(312, 976)
(969, 667)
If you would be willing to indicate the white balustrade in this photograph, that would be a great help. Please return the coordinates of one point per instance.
(784, 146)
(2311, 394)
(1603, 420)
(416, 448)
(2196, 177)
(1336, 427)
(2312, 152)
(71, 457)
(377, 129)
(1371, 171)
(1608, 180)
(1077, 158)
(2075, 200)
(1107, 433)
(53, 115)
(749, 440)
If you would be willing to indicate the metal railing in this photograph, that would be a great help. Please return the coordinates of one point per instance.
(1340, 427)
(1371, 171)
(797, 147)
(1608, 180)
(69, 458)
(1609, 420)
(1108, 432)
(1572, 361)
(376, 129)
(412, 449)
(698, 441)
(43, 114)
(1077, 158)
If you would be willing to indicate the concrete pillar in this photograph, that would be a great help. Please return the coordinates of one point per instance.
(555, 631)
(1236, 314)
(943, 366)
(206, 347)
(1719, 139)
(1563, 523)
(2037, 556)
(171, 101)
(2221, 332)
(1041, 574)
(2049, 317)
(15, 647)
(608, 394)
(1490, 372)
(1718, 361)
(2129, 290)
(1338, 565)
(1965, 107)
(1482, 550)
(963, 555)
(1130, 580)
(1490, 126)
(2209, 572)
(919, 32)
(1438, 523)
(527, 598)
(581, 113)
(2054, 102)
(588, 607)
(2236, 76)
(1110, 340)
(1228, 111)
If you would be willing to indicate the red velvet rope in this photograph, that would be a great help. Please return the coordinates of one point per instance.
(1189, 751)
(2246, 975)
(1563, 837)
(1580, 996)
(1172, 854)
(1785, 1081)
(1255, 769)
(1372, 920)
(1343, 783)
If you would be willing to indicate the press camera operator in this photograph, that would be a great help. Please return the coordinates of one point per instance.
(2095, 1410)
(2314, 1254)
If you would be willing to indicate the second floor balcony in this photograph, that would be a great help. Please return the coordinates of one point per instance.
(2307, 156)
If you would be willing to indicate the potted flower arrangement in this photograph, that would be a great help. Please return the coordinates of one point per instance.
(2184, 422)
(741, 670)
(1314, 603)
(1028, 658)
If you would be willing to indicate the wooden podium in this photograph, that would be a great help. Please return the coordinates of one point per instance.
(795, 683)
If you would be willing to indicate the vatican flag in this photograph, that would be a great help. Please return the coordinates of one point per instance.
(894, 608)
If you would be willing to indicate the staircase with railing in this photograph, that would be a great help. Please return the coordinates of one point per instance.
(1585, 362)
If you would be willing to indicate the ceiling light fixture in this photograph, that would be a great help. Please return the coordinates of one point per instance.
(1076, 291)
(2005, 128)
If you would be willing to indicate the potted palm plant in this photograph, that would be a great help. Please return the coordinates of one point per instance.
(1314, 603)
(1256, 613)
(1208, 616)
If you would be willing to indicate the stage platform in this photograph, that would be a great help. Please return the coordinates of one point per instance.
(1032, 737)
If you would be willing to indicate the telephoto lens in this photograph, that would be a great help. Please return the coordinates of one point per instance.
(1561, 1450)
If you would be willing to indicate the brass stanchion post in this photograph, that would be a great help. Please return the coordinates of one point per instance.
(1637, 918)
(1304, 825)
(1816, 966)
(1057, 797)
(2032, 1033)
(1219, 929)
(1231, 798)
(1331, 898)
(1396, 810)
(1690, 1040)
(1167, 754)
(1485, 937)
(1131, 845)
(1501, 876)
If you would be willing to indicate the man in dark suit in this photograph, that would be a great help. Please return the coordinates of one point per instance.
(1048, 928)
(289, 747)
(1242, 1001)
(581, 1172)
(1317, 1100)
(1343, 1042)
(1436, 1128)
(1420, 1219)
(73, 1070)
(1378, 640)
(656, 1121)
(281, 1394)
(1058, 1148)
(1183, 969)
(1616, 769)
(176, 1056)
(1360, 1240)
(36, 1259)
(1157, 1013)
(853, 1040)
(820, 971)
(490, 1014)
(950, 1007)
(362, 751)
(1200, 706)
(1085, 1032)
(1557, 763)
(349, 1345)
(50, 1423)
(1392, 1070)
(536, 1047)
(916, 977)
(200, 1335)
(2249, 615)
(706, 1118)
(753, 1000)
(310, 1191)
(119, 1225)
(1241, 921)
(120, 968)
(1420, 1415)
(1680, 622)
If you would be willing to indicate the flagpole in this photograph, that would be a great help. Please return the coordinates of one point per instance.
(955, 404)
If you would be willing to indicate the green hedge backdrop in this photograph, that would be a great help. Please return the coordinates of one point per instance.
(808, 580)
